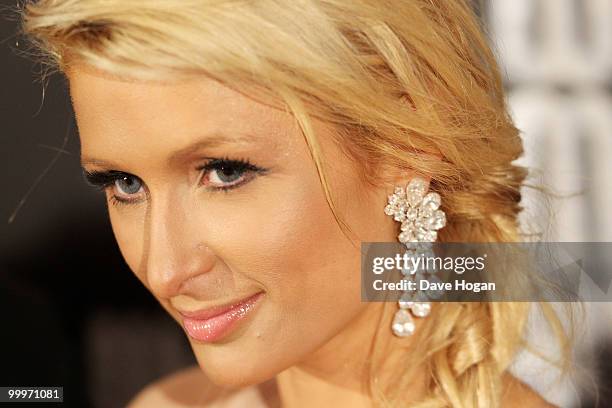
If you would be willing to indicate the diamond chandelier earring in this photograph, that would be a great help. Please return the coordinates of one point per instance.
(420, 217)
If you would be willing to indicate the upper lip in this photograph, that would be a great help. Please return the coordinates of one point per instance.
(207, 313)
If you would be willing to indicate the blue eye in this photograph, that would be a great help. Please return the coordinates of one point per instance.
(217, 175)
(124, 187)
(128, 185)
(225, 174)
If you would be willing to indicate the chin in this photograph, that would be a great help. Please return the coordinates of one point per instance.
(233, 365)
(244, 356)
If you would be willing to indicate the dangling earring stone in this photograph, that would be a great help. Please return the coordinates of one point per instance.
(421, 218)
(403, 323)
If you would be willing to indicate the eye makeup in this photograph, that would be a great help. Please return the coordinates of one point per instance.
(226, 174)
(217, 174)
(123, 185)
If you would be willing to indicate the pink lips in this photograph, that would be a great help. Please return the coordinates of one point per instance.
(213, 324)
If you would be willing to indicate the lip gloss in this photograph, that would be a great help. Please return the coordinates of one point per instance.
(212, 325)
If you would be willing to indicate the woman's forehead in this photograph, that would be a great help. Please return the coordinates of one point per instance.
(188, 109)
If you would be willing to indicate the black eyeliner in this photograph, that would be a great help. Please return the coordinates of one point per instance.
(242, 164)
(102, 179)
(107, 178)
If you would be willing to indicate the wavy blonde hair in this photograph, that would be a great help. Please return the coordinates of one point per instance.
(405, 82)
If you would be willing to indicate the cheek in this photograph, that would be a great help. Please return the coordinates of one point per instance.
(288, 241)
(129, 232)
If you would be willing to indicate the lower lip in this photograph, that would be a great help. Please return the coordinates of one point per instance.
(217, 327)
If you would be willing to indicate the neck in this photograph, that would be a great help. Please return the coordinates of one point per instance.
(343, 371)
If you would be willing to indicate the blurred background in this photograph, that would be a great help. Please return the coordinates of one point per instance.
(74, 315)
(557, 62)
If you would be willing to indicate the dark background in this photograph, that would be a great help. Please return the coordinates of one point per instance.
(72, 314)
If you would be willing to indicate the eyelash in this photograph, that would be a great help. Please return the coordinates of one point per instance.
(106, 179)
(243, 165)
(114, 200)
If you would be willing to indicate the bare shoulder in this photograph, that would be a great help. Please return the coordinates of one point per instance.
(517, 394)
(190, 388)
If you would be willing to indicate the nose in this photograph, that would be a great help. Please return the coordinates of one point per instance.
(175, 250)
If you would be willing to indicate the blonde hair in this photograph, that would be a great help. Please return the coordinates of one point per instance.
(410, 84)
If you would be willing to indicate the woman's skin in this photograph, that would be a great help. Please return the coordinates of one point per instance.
(195, 246)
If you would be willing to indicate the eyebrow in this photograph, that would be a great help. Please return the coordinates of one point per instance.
(177, 156)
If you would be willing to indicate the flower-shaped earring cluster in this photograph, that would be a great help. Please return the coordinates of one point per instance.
(421, 218)
(417, 210)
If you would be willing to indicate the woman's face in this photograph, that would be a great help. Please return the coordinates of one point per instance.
(218, 209)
